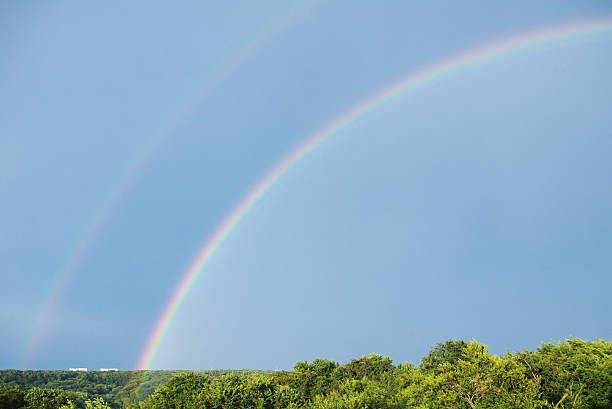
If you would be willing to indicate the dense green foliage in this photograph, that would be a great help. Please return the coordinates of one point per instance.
(118, 389)
(456, 374)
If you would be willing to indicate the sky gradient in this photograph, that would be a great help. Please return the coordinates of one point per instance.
(475, 206)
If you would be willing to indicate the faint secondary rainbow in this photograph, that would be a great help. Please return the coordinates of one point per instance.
(51, 300)
(242, 209)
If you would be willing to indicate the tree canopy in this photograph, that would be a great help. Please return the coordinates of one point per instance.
(574, 374)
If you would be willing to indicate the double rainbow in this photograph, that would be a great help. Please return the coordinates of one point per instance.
(51, 301)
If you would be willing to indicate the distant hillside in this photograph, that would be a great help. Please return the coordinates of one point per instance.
(118, 388)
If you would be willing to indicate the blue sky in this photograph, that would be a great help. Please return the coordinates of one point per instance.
(473, 206)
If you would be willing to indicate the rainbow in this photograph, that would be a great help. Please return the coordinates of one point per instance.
(242, 209)
(133, 171)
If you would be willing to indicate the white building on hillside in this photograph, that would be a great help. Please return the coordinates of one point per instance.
(109, 370)
(78, 369)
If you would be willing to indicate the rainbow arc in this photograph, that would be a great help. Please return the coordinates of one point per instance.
(316, 139)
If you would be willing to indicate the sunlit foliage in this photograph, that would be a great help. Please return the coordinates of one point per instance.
(573, 374)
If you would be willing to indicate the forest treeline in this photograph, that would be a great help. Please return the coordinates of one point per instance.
(118, 389)
(455, 374)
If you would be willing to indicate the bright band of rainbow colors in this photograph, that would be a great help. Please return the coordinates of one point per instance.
(242, 209)
(52, 299)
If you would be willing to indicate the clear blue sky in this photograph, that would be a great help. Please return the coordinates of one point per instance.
(474, 206)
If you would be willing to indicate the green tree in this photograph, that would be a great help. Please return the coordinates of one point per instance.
(182, 391)
(573, 374)
(237, 392)
(349, 395)
(37, 398)
(480, 380)
(311, 379)
(372, 366)
(96, 403)
(12, 397)
(450, 351)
